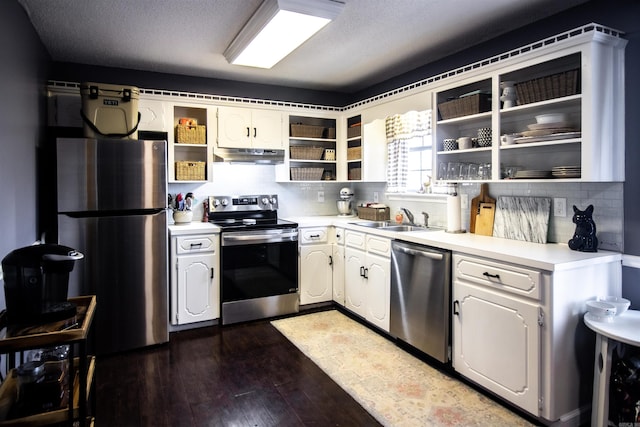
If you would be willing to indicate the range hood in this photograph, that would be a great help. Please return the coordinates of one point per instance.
(249, 155)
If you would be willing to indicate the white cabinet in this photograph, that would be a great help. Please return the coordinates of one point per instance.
(312, 152)
(496, 336)
(195, 280)
(366, 150)
(518, 331)
(368, 277)
(246, 128)
(153, 115)
(316, 276)
(337, 265)
(190, 150)
(578, 76)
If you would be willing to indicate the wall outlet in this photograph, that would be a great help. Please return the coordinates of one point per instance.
(320, 196)
(559, 206)
(375, 197)
(464, 201)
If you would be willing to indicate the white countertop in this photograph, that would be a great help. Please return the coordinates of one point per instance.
(550, 256)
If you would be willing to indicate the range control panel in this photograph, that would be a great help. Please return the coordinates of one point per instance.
(262, 202)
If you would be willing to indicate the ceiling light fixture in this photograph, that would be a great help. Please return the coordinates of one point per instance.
(277, 28)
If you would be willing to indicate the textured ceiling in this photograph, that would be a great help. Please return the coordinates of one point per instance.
(371, 40)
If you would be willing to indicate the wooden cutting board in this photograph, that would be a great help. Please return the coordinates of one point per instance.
(483, 197)
(484, 219)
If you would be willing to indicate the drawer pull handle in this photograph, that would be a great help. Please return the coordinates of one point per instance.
(248, 132)
(361, 271)
(314, 236)
(456, 308)
(492, 276)
(212, 272)
(330, 260)
(366, 273)
(194, 245)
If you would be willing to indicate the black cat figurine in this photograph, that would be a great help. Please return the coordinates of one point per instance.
(584, 238)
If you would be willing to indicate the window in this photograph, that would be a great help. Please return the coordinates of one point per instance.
(409, 151)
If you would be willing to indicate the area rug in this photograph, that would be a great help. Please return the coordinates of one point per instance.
(392, 385)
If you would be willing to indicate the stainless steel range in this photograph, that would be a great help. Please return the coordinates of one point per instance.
(259, 257)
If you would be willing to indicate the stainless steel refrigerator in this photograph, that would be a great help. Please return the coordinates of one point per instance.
(112, 199)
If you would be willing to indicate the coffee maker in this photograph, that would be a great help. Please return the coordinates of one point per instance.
(345, 207)
(36, 283)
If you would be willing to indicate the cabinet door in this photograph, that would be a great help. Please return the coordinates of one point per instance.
(378, 288)
(496, 343)
(152, 115)
(267, 129)
(315, 274)
(355, 290)
(234, 127)
(198, 292)
(338, 274)
(374, 153)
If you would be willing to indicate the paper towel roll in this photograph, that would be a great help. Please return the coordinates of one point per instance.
(453, 213)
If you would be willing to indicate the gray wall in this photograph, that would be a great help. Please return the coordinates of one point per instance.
(22, 81)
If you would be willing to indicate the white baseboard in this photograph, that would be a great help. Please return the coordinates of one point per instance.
(632, 261)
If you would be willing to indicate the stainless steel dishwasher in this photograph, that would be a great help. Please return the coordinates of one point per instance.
(420, 298)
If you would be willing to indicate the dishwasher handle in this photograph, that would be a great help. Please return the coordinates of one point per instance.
(417, 252)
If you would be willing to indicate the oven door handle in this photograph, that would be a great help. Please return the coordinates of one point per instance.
(257, 238)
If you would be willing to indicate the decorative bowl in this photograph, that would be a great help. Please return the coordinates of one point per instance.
(621, 304)
(449, 144)
(601, 310)
(551, 118)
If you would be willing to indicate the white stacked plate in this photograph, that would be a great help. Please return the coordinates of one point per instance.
(532, 174)
(566, 171)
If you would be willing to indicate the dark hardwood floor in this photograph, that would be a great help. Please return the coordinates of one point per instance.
(236, 375)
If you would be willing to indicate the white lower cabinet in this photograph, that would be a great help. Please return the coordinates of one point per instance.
(195, 280)
(338, 266)
(518, 332)
(316, 276)
(497, 343)
(368, 277)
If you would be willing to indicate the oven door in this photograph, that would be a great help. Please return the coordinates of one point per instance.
(258, 264)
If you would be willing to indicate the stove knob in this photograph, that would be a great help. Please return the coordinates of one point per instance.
(224, 202)
(216, 203)
(274, 201)
(265, 201)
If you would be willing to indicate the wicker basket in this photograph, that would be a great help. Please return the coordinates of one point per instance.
(330, 133)
(186, 134)
(355, 173)
(354, 131)
(306, 153)
(373, 214)
(465, 106)
(190, 171)
(306, 174)
(354, 153)
(549, 87)
(306, 131)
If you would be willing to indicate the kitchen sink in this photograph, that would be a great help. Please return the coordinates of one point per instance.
(389, 226)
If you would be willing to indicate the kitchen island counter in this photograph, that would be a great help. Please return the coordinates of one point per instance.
(549, 257)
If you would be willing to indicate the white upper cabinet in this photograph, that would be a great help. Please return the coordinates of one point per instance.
(579, 77)
(246, 128)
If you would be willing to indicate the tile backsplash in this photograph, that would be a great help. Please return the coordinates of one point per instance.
(302, 199)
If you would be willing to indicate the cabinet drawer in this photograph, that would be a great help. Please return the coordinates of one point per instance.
(378, 245)
(196, 243)
(313, 235)
(505, 277)
(354, 239)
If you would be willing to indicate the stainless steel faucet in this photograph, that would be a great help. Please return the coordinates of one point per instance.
(426, 219)
(409, 215)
